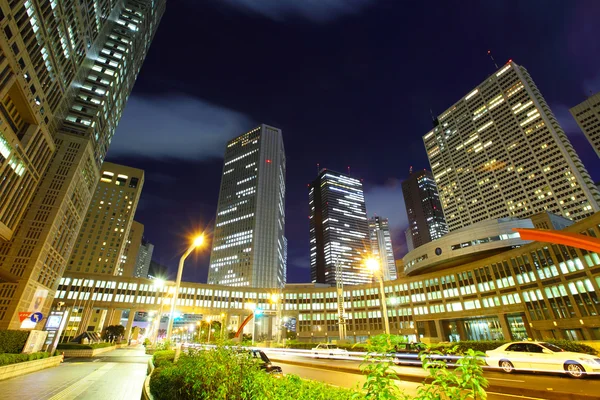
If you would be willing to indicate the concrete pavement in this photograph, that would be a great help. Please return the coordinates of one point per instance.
(115, 375)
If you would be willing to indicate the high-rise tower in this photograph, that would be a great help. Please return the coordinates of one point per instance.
(500, 152)
(587, 115)
(426, 220)
(248, 246)
(381, 246)
(67, 69)
(103, 236)
(339, 231)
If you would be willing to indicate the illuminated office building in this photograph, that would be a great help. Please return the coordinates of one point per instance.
(249, 247)
(482, 291)
(426, 220)
(100, 246)
(143, 259)
(381, 246)
(339, 230)
(500, 152)
(132, 246)
(67, 69)
(587, 115)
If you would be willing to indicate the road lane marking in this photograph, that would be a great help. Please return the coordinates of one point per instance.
(71, 392)
(502, 379)
(517, 396)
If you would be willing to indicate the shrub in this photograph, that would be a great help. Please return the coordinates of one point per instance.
(13, 341)
(576, 347)
(77, 346)
(147, 342)
(377, 366)
(163, 358)
(225, 373)
(6, 359)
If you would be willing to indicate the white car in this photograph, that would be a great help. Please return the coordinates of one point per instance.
(328, 350)
(542, 356)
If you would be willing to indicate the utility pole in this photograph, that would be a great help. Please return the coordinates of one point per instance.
(340, 298)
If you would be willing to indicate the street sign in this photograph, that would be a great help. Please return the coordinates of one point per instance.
(23, 315)
(36, 317)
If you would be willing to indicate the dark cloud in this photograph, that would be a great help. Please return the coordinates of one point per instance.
(176, 126)
(314, 10)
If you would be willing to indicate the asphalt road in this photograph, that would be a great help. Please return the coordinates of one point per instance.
(115, 375)
(314, 368)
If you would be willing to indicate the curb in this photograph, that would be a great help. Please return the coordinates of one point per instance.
(146, 395)
(495, 388)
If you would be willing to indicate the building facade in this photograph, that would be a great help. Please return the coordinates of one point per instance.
(143, 259)
(587, 115)
(537, 291)
(67, 71)
(500, 152)
(100, 245)
(426, 220)
(381, 246)
(339, 230)
(248, 247)
(132, 244)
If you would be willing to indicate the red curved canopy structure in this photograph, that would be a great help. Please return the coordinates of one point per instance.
(572, 239)
(241, 328)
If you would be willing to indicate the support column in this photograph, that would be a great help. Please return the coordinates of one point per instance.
(505, 328)
(86, 315)
(116, 317)
(441, 333)
(132, 313)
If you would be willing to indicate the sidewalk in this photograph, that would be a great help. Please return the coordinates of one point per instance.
(116, 375)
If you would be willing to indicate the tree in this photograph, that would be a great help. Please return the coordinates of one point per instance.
(113, 332)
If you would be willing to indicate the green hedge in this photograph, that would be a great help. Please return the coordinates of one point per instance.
(13, 341)
(77, 346)
(485, 345)
(228, 374)
(163, 358)
(6, 359)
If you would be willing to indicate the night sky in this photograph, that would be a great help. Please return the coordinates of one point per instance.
(350, 82)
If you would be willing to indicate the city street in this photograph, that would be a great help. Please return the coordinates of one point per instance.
(116, 375)
(323, 369)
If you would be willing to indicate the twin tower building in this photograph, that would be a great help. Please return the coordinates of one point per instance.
(249, 243)
(498, 152)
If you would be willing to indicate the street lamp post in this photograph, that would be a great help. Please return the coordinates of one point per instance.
(197, 242)
(374, 266)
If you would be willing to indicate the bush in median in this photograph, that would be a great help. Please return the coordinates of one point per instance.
(227, 373)
(13, 341)
(7, 359)
(163, 358)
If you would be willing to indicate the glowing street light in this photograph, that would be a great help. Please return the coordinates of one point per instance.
(373, 265)
(198, 241)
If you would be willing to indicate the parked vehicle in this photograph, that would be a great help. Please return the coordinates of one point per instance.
(326, 349)
(543, 357)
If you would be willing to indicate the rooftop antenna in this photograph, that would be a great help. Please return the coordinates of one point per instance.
(492, 57)
(318, 168)
(348, 170)
(410, 170)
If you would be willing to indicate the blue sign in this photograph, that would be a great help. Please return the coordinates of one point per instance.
(36, 317)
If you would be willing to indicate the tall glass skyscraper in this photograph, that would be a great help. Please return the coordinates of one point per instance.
(67, 69)
(500, 152)
(587, 115)
(381, 246)
(339, 231)
(249, 247)
(426, 220)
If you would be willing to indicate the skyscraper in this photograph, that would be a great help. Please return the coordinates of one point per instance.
(499, 152)
(426, 220)
(587, 115)
(132, 247)
(144, 257)
(339, 231)
(67, 68)
(381, 246)
(248, 247)
(100, 246)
